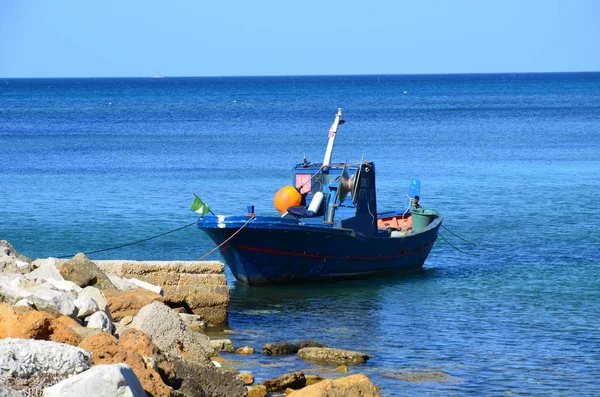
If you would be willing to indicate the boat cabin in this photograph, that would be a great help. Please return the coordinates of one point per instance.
(348, 195)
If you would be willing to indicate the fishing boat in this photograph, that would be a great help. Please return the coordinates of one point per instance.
(330, 228)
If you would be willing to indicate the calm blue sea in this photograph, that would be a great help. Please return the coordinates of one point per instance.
(512, 160)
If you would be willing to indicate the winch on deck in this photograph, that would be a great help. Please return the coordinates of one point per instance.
(340, 194)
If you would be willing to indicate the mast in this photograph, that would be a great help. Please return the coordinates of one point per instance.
(332, 132)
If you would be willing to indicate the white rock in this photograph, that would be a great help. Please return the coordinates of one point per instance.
(113, 380)
(98, 296)
(52, 261)
(99, 320)
(12, 276)
(22, 264)
(24, 303)
(121, 283)
(86, 306)
(11, 290)
(24, 357)
(148, 286)
(61, 301)
(45, 271)
(65, 285)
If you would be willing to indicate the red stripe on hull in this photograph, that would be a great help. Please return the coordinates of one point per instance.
(318, 256)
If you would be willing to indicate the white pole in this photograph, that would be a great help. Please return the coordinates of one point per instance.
(332, 132)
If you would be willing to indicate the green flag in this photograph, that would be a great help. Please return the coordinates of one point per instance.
(199, 206)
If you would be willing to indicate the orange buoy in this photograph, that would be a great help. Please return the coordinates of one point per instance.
(286, 197)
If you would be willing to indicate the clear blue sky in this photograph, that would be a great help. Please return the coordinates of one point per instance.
(107, 38)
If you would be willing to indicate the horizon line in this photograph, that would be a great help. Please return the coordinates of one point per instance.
(299, 75)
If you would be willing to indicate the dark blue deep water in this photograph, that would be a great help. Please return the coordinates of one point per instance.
(512, 160)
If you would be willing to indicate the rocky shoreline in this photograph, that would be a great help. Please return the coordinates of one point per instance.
(109, 328)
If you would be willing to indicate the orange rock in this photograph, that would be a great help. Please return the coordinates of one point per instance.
(21, 322)
(106, 349)
(61, 331)
(349, 386)
(103, 347)
(135, 340)
(68, 321)
(128, 303)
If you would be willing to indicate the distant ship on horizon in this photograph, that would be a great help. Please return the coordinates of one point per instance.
(157, 75)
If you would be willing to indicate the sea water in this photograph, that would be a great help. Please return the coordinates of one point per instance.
(512, 160)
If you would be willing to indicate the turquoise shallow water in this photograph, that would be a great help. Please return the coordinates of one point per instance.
(511, 160)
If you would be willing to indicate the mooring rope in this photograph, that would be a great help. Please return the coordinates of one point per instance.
(133, 242)
(224, 242)
(464, 239)
(455, 247)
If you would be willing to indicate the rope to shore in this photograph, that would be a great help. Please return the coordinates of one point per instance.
(463, 239)
(455, 247)
(229, 238)
(133, 242)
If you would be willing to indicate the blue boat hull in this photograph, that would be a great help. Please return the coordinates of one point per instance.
(274, 251)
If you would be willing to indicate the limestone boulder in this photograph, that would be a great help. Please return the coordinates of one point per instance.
(168, 331)
(106, 349)
(11, 289)
(121, 283)
(11, 261)
(46, 298)
(279, 348)
(84, 273)
(128, 303)
(25, 357)
(86, 306)
(7, 250)
(24, 303)
(45, 270)
(111, 380)
(198, 380)
(100, 321)
(209, 301)
(198, 286)
(295, 380)
(66, 286)
(350, 386)
(56, 262)
(332, 356)
(150, 287)
(98, 296)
